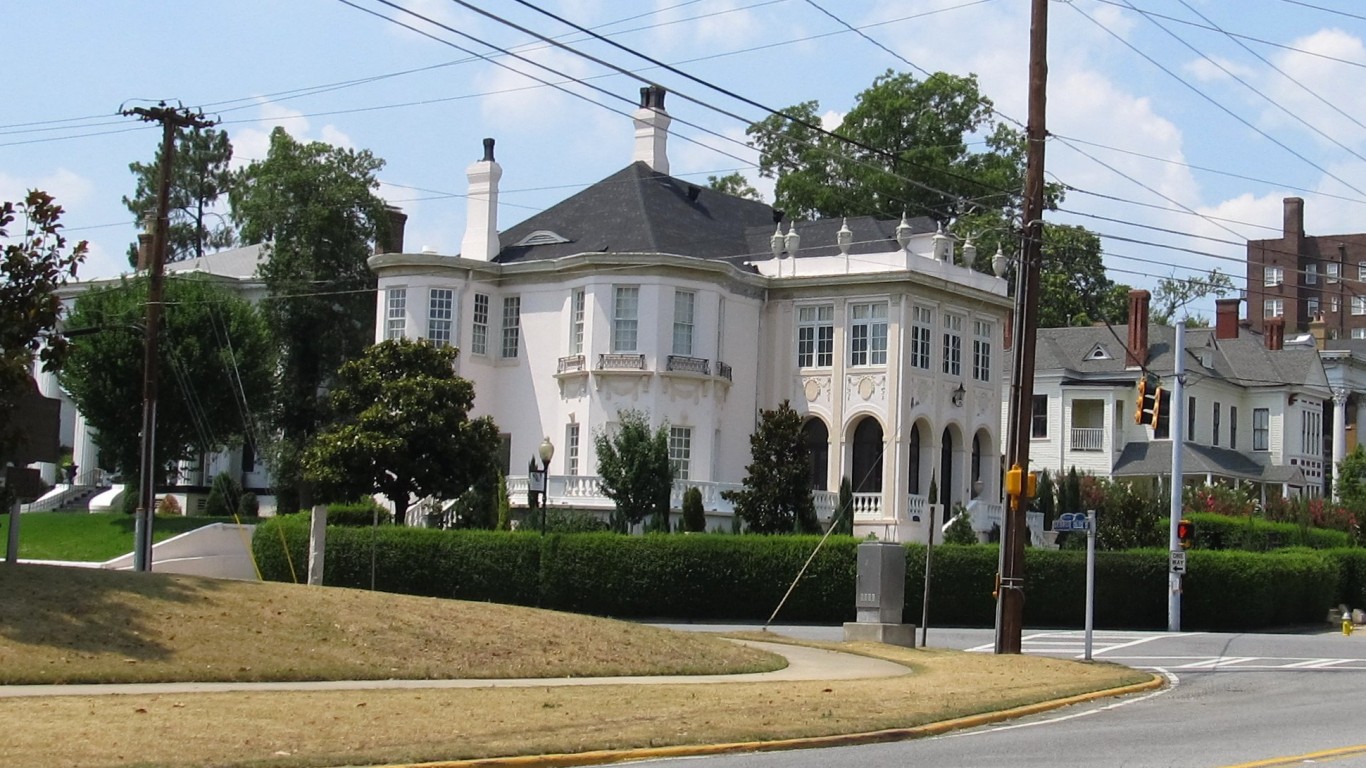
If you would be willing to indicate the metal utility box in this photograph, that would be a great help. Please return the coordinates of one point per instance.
(881, 583)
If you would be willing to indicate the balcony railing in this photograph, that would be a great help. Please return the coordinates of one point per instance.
(619, 361)
(723, 370)
(689, 364)
(1088, 438)
(571, 363)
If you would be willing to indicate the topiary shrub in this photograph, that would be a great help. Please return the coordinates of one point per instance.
(694, 517)
(360, 514)
(960, 528)
(225, 495)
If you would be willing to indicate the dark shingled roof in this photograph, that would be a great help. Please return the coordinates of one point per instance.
(1146, 459)
(637, 210)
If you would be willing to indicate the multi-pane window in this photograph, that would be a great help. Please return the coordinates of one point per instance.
(396, 314)
(684, 304)
(1273, 276)
(440, 315)
(1190, 419)
(680, 451)
(576, 311)
(1331, 270)
(1215, 441)
(816, 336)
(1038, 417)
(1261, 429)
(1274, 308)
(1359, 305)
(953, 344)
(571, 449)
(1333, 305)
(1361, 271)
(1312, 307)
(1359, 333)
(625, 317)
(1311, 433)
(981, 350)
(512, 327)
(868, 334)
(1233, 427)
(479, 327)
(1311, 274)
(922, 324)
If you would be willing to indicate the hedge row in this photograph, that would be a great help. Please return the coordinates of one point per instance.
(1214, 531)
(729, 578)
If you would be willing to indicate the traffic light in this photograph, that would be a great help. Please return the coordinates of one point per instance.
(1146, 408)
(1185, 533)
(1021, 486)
(1159, 396)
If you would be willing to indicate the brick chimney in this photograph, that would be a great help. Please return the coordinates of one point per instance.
(1137, 353)
(1319, 330)
(652, 129)
(393, 239)
(481, 217)
(1226, 318)
(1275, 333)
(1294, 218)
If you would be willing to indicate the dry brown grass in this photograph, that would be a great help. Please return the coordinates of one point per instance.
(385, 726)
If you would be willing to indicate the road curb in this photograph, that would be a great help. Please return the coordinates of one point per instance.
(599, 757)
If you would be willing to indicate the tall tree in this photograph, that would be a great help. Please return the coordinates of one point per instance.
(215, 367)
(401, 427)
(1073, 287)
(33, 264)
(314, 208)
(199, 176)
(1174, 295)
(736, 185)
(776, 495)
(633, 464)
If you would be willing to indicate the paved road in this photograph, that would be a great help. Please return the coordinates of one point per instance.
(1235, 700)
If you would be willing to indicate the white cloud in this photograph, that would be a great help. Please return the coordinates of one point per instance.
(253, 143)
(832, 119)
(68, 188)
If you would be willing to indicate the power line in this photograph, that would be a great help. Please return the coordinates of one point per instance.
(1325, 9)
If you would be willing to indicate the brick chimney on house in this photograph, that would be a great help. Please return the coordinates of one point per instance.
(481, 217)
(1318, 328)
(1226, 318)
(652, 129)
(1293, 226)
(392, 242)
(1275, 333)
(1137, 353)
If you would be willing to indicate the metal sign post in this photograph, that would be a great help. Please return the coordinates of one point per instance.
(1090, 577)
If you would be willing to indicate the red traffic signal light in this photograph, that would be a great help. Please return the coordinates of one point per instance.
(1185, 533)
(1148, 403)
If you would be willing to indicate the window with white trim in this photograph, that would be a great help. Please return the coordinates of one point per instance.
(440, 315)
(576, 311)
(479, 326)
(396, 313)
(685, 303)
(1359, 305)
(953, 344)
(512, 327)
(1261, 429)
(1273, 276)
(981, 350)
(922, 326)
(625, 317)
(1312, 307)
(1311, 274)
(1311, 433)
(1331, 270)
(816, 336)
(1273, 308)
(1361, 271)
(1333, 304)
(868, 334)
(1359, 333)
(680, 451)
(571, 449)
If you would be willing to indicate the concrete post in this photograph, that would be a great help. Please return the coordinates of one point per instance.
(317, 544)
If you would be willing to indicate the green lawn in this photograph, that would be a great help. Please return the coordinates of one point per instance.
(82, 536)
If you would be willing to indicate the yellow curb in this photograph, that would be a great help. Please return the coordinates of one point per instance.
(602, 756)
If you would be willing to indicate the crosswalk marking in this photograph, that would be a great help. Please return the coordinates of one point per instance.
(1117, 646)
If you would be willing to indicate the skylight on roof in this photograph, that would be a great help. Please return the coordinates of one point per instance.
(542, 237)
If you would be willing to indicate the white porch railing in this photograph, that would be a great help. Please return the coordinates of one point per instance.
(1088, 438)
(585, 492)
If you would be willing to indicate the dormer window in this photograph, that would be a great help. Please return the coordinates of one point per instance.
(542, 237)
(1098, 352)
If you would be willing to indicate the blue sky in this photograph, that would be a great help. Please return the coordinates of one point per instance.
(1156, 111)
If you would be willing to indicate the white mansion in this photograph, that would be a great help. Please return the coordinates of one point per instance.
(644, 291)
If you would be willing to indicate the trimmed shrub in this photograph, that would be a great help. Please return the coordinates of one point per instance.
(249, 506)
(1351, 566)
(960, 528)
(1215, 531)
(694, 517)
(361, 514)
(572, 521)
(225, 495)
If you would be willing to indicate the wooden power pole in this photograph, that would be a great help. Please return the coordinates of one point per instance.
(171, 120)
(1010, 594)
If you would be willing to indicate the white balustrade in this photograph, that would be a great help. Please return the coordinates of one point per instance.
(1088, 438)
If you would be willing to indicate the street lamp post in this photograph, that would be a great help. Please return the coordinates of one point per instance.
(538, 478)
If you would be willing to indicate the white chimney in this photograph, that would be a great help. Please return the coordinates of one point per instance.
(481, 217)
(652, 129)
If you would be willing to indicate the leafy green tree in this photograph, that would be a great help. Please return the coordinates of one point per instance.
(314, 208)
(736, 185)
(776, 495)
(34, 263)
(960, 528)
(1351, 480)
(1073, 287)
(844, 516)
(504, 505)
(1174, 295)
(634, 469)
(401, 427)
(1045, 499)
(199, 176)
(216, 363)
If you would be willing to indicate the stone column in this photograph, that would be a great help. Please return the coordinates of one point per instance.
(1339, 434)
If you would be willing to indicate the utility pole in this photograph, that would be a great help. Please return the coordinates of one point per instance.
(1178, 435)
(1010, 595)
(170, 119)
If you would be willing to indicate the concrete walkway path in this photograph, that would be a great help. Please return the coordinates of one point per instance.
(802, 664)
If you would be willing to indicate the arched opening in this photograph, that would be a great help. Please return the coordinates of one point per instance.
(867, 459)
(946, 479)
(913, 462)
(817, 439)
(975, 469)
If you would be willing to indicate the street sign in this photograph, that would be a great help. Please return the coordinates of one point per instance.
(1178, 564)
(1070, 521)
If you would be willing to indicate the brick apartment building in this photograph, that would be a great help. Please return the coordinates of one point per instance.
(1298, 276)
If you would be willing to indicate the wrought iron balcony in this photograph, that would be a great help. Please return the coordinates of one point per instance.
(723, 370)
(571, 363)
(620, 361)
(689, 364)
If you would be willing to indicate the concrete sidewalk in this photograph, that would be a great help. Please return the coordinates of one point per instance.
(802, 664)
